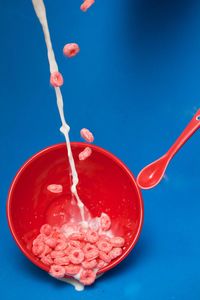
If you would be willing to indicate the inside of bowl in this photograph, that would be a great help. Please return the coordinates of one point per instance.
(105, 185)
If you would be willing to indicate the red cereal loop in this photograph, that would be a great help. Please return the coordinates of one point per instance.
(87, 135)
(76, 237)
(56, 79)
(38, 248)
(46, 229)
(55, 254)
(47, 260)
(72, 269)
(105, 238)
(91, 236)
(104, 246)
(61, 245)
(55, 188)
(115, 252)
(117, 241)
(75, 244)
(86, 4)
(91, 252)
(89, 264)
(71, 49)
(105, 221)
(40, 238)
(57, 271)
(101, 264)
(62, 261)
(85, 153)
(76, 256)
(51, 242)
(105, 257)
(46, 251)
(87, 277)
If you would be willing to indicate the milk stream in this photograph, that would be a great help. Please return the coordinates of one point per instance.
(41, 14)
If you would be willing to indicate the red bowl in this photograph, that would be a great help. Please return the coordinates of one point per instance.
(105, 185)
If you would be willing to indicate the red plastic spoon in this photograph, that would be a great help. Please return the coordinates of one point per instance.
(152, 174)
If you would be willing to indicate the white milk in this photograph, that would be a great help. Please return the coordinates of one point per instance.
(41, 13)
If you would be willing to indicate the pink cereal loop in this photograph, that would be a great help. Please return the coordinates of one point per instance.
(76, 256)
(38, 248)
(89, 264)
(85, 153)
(40, 238)
(105, 257)
(71, 49)
(87, 277)
(61, 245)
(91, 236)
(51, 242)
(46, 251)
(57, 271)
(105, 222)
(55, 254)
(115, 252)
(61, 261)
(76, 237)
(46, 229)
(87, 135)
(56, 79)
(86, 4)
(91, 252)
(104, 246)
(55, 188)
(72, 269)
(101, 264)
(47, 260)
(117, 241)
(74, 244)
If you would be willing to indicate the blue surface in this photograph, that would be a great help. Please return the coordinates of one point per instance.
(136, 85)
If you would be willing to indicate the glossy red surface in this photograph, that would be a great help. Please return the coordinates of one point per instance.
(105, 185)
(152, 174)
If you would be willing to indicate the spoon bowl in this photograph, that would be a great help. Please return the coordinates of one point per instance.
(152, 174)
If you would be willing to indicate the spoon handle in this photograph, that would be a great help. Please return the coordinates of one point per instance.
(185, 135)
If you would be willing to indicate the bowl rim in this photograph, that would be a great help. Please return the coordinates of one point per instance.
(56, 147)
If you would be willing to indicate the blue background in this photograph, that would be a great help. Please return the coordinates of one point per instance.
(135, 84)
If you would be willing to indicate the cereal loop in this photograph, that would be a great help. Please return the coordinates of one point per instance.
(92, 236)
(89, 264)
(87, 277)
(91, 252)
(85, 153)
(57, 271)
(71, 49)
(61, 245)
(105, 257)
(117, 241)
(115, 252)
(104, 246)
(46, 229)
(86, 4)
(72, 269)
(87, 135)
(76, 256)
(105, 222)
(62, 261)
(56, 79)
(47, 260)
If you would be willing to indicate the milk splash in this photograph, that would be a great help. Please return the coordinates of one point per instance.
(41, 14)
